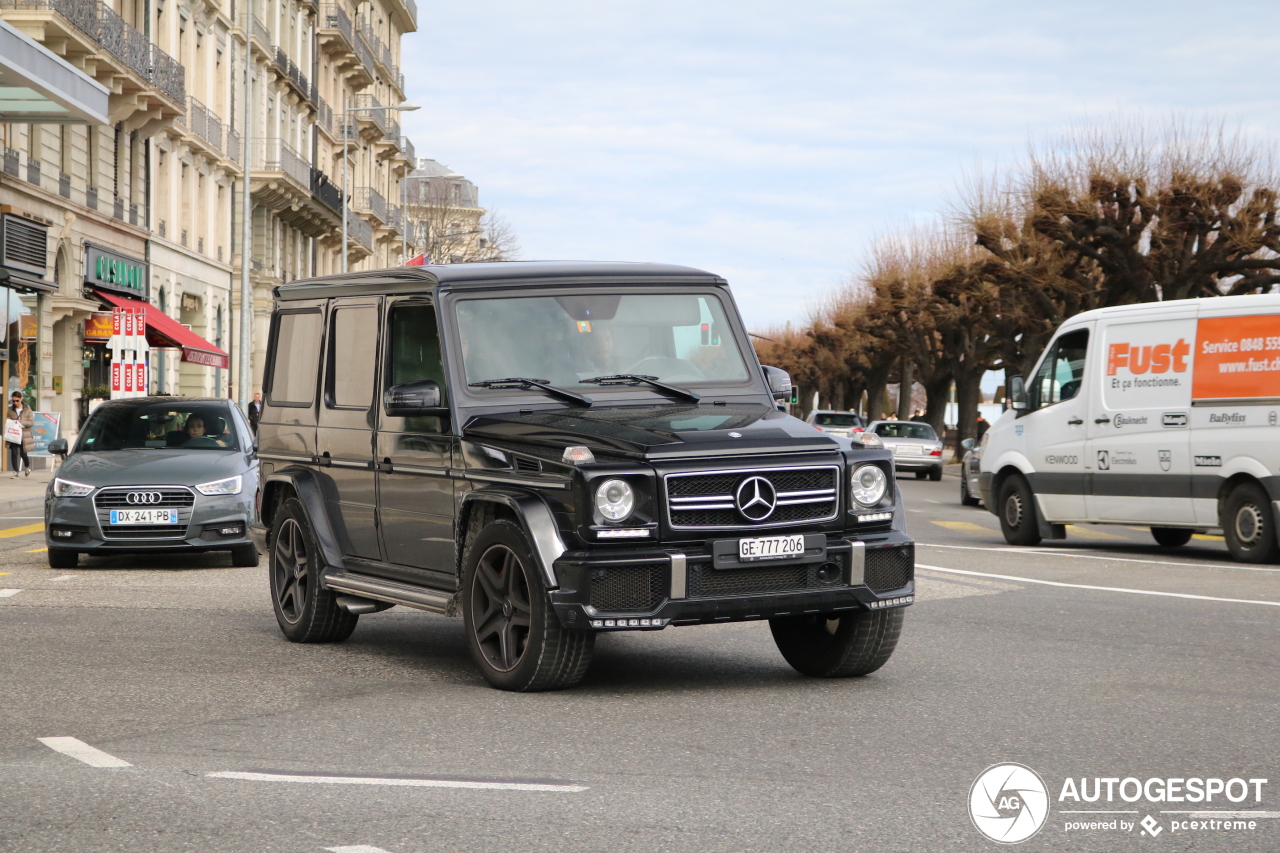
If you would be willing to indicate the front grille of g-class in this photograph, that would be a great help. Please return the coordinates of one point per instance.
(708, 499)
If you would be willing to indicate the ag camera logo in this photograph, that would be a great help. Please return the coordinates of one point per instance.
(1008, 803)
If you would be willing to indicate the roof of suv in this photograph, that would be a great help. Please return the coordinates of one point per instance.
(501, 274)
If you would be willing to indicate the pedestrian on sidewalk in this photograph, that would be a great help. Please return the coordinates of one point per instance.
(255, 411)
(18, 451)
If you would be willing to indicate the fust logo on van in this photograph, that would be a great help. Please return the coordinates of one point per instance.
(1159, 358)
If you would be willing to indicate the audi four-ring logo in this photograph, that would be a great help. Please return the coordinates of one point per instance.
(137, 498)
(756, 498)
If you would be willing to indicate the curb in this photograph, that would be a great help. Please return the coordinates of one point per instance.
(16, 504)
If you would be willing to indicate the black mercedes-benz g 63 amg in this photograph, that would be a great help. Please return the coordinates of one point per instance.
(556, 449)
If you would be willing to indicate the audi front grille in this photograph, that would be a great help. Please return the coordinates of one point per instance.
(129, 497)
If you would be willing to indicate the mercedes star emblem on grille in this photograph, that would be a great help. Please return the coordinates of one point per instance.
(144, 498)
(756, 498)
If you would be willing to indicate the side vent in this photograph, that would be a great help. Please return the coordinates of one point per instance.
(528, 466)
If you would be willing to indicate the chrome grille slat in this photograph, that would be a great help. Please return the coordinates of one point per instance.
(698, 499)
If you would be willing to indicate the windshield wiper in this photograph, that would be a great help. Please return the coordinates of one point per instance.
(634, 378)
(540, 384)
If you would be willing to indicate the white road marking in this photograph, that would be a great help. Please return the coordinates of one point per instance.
(359, 848)
(6, 593)
(63, 578)
(81, 751)
(1062, 552)
(1099, 588)
(563, 788)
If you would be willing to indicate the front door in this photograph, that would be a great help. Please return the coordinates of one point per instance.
(416, 492)
(1054, 426)
(344, 439)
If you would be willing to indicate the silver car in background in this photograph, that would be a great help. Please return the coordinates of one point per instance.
(916, 447)
(835, 422)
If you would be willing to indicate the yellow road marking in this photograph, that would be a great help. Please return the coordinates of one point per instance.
(6, 573)
(35, 550)
(1207, 537)
(21, 531)
(965, 527)
(1090, 533)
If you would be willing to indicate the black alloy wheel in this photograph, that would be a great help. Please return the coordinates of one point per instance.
(305, 611)
(515, 636)
(1248, 525)
(1017, 506)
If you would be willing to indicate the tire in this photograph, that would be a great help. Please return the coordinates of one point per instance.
(1171, 537)
(844, 645)
(60, 559)
(515, 637)
(935, 474)
(1017, 510)
(1249, 526)
(244, 557)
(966, 498)
(920, 475)
(306, 613)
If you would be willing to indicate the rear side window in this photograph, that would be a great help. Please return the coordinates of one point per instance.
(353, 351)
(296, 359)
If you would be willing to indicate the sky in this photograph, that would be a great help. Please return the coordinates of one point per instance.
(773, 142)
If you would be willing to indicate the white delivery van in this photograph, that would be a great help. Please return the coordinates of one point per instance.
(1161, 414)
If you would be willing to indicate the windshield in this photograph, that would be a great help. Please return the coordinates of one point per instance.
(683, 339)
(905, 429)
(837, 420)
(159, 425)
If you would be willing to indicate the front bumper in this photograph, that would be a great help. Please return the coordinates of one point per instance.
(211, 524)
(653, 589)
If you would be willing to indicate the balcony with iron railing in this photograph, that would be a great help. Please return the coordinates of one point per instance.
(324, 189)
(406, 148)
(106, 30)
(359, 231)
(278, 156)
(261, 33)
(205, 124)
(395, 218)
(233, 145)
(369, 201)
(367, 108)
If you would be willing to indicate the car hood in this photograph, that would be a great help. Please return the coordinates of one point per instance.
(657, 432)
(152, 467)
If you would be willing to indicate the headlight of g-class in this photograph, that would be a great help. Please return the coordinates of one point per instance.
(615, 500)
(868, 485)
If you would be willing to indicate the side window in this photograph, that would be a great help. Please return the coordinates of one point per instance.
(413, 353)
(353, 348)
(296, 359)
(1061, 372)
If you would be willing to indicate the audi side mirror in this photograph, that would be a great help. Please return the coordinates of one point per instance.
(58, 447)
(413, 399)
(779, 383)
(1017, 394)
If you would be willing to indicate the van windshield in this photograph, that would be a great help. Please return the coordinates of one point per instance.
(680, 338)
(159, 426)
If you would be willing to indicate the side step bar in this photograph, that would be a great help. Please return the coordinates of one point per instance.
(389, 591)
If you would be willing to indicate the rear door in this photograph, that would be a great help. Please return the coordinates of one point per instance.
(287, 431)
(1139, 416)
(1054, 424)
(344, 438)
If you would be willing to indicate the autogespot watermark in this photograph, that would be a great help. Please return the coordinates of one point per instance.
(1009, 803)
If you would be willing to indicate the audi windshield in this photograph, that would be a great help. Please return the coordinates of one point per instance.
(594, 340)
(160, 426)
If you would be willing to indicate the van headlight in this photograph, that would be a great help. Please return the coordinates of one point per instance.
(615, 500)
(868, 485)
(229, 486)
(68, 489)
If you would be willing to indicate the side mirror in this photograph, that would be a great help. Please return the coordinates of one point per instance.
(58, 447)
(1017, 394)
(779, 383)
(967, 444)
(413, 399)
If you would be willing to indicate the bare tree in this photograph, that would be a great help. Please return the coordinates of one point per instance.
(447, 224)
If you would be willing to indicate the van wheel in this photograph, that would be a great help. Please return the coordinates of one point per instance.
(838, 645)
(1248, 525)
(1171, 537)
(515, 636)
(966, 498)
(306, 613)
(1018, 512)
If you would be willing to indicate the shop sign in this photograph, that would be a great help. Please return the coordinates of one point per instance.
(98, 327)
(190, 302)
(28, 327)
(114, 271)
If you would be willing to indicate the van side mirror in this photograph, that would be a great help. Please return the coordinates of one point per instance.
(58, 447)
(412, 399)
(779, 383)
(1017, 394)
(967, 444)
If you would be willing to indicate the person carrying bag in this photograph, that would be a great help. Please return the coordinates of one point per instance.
(18, 421)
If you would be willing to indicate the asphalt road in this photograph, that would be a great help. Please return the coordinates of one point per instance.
(1103, 656)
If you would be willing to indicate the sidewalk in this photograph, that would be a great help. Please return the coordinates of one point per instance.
(24, 492)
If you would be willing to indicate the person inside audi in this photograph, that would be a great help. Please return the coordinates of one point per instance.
(197, 436)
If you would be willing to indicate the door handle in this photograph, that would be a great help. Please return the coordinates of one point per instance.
(1105, 419)
(324, 459)
(386, 464)
(1075, 421)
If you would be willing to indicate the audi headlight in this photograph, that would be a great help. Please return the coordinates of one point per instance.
(615, 500)
(868, 485)
(229, 486)
(68, 489)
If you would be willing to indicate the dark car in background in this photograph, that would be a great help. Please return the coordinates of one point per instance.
(152, 474)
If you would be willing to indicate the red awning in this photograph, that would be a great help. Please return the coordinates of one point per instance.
(164, 331)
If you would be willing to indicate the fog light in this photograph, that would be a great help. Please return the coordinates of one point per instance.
(61, 534)
(231, 531)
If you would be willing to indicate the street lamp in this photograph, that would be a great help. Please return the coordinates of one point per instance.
(347, 109)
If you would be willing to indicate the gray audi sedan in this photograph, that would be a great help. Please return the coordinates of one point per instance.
(152, 474)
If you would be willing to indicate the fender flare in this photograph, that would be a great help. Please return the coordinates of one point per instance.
(535, 519)
(310, 494)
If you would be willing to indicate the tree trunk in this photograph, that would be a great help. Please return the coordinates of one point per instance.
(877, 395)
(935, 407)
(904, 389)
(968, 392)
